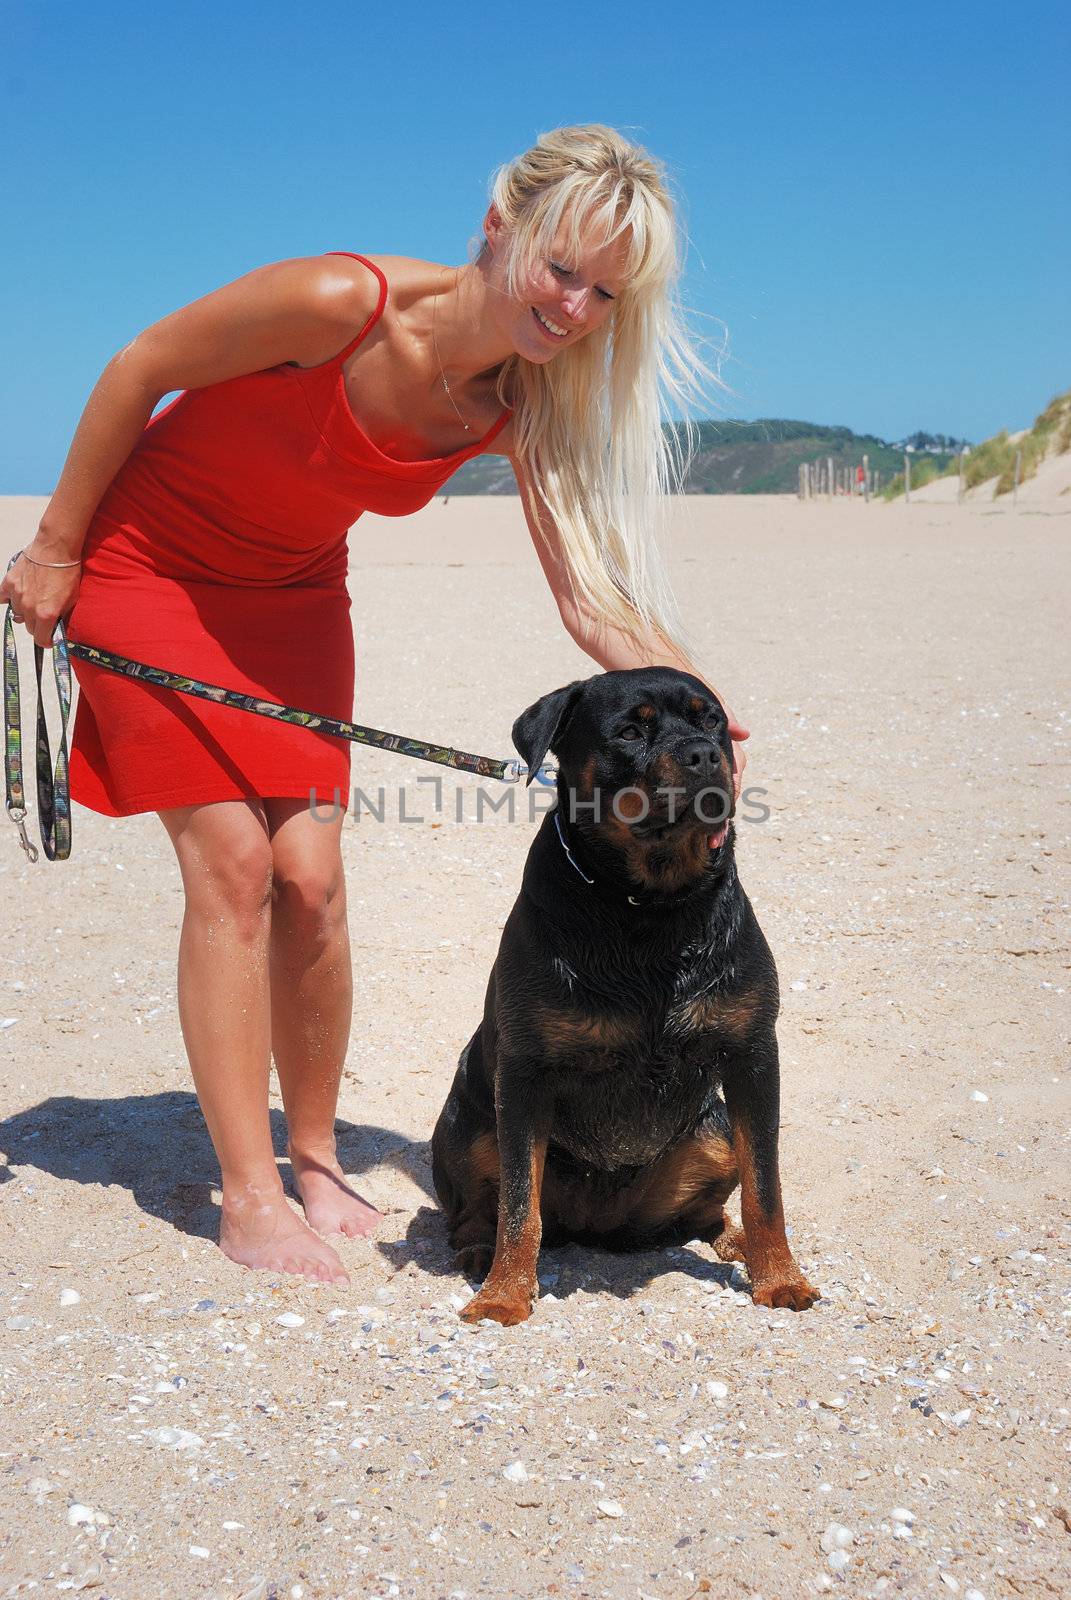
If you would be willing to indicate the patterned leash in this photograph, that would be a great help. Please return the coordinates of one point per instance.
(53, 793)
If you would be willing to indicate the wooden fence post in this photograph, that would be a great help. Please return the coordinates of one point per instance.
(829, 475)
(907, 480)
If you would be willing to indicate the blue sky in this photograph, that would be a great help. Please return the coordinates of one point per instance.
(876, 197)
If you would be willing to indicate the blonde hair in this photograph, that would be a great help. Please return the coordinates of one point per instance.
(589, 425)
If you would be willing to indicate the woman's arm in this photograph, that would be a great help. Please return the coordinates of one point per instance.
(302, 310)
(610, 647)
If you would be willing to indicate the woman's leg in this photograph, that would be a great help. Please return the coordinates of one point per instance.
(225, 858)
(311, 1005)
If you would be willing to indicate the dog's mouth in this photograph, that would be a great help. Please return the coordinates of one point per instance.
(654, 830)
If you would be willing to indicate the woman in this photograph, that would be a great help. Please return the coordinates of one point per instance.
(212, 541)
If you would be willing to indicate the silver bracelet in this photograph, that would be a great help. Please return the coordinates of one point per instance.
(36, 563)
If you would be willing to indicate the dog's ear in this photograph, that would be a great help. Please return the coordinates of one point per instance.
(538, 729)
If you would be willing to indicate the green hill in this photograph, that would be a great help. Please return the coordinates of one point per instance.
(760, 457)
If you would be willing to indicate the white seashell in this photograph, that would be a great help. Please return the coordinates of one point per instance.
(516, 1472)
(69, 1297)
(976, 1094)
(717, 1390)
(91, 1578)
(78, 1514)
(290, 1319)
(176, 1438)
(836, 1537)
(902, 1514)
(610, 1508)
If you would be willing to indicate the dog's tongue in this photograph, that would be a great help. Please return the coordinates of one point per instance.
(718, 839)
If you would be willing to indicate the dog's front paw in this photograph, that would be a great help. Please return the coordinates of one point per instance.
(507, 1306)
(786, 1293)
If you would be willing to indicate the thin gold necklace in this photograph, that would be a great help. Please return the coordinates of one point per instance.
(439, 359)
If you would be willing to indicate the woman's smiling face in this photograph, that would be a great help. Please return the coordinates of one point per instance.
(568, 294)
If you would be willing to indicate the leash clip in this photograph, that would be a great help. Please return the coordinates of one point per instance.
(19, 819)
(514, 771)
(546, 775)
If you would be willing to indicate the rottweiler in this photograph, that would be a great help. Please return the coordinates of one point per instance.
(624, 1078)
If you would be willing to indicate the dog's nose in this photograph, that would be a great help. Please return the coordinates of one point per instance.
(700, 756)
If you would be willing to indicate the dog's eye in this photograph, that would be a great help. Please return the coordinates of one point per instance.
(630, 731)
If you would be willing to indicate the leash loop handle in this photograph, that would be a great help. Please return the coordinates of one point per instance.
(53, 794)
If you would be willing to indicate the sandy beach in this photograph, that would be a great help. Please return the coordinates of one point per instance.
(174, 1426)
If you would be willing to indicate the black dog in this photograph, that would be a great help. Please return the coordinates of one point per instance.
(632, 982)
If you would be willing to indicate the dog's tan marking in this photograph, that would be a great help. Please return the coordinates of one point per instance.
(666, 866)
(729, 1014)
(629, 805)
(667, 773)
(511, 1286)
(730, 1244)
(646, 713)
(483, 1158)
(776, 1280)
(586, 786)
(726, 772)
(694, 1169)
(565, 1031)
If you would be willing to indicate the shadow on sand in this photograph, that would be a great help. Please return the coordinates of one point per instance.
(157, 1146)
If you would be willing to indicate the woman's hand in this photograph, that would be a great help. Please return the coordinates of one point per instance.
(737, 733)
(40, 596)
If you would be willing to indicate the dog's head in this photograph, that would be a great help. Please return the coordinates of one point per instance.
(645, 769)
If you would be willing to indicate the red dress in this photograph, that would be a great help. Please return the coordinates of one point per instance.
(219, 552)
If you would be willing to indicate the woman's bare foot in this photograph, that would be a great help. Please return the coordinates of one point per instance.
(262, 1231)
(331, 1206)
